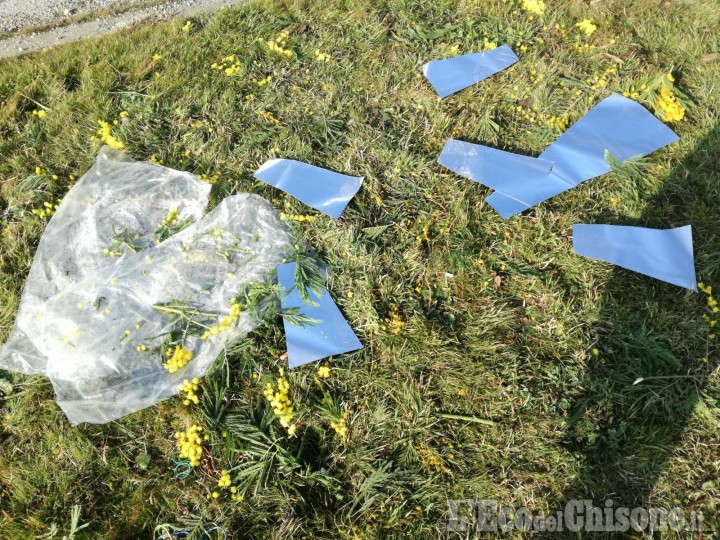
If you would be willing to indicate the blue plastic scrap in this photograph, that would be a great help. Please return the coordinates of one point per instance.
(324, 190)
(451, 75)
(497, 169)
(665, 254)
(616, 124)
(331, 335)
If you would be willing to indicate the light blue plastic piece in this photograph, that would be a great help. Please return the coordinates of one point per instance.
(497, 169)
(617, 124)
(331, 336)
(324, 190)
(451, 75)
(665, 254)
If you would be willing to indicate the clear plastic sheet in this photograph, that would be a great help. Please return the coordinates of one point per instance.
(665, 254)
(324, 190)
(85, 313)
(329, 336)
(617, 124)
(451, 75)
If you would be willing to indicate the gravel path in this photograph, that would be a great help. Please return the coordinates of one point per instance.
(16, 15)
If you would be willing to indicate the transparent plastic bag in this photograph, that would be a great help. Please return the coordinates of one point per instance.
(96, 314)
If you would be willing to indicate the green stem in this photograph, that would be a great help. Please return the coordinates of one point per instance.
(467, 419)
(184, 311)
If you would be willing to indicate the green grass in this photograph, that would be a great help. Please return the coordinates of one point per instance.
(500, 317)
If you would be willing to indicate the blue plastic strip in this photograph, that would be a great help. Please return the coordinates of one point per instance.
(332, 335)
(665, 254)
(508, 205)
(505, 205)
(326, 191)
(453, 74)
(617, 124)
(497, 169)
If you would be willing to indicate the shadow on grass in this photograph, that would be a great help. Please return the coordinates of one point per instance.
(627, 430)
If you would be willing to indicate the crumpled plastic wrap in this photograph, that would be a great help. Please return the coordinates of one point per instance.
(93, 316)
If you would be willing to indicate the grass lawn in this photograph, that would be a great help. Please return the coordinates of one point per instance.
(497, 363)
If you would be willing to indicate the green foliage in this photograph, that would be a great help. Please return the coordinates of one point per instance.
(75, 526)
(632, 168)
(307, 278)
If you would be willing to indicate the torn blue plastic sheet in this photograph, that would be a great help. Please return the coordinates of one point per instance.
(617, 124)
(332, 335)
(665, 254)
(326, 191)
(451, 75)
(497, 169)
